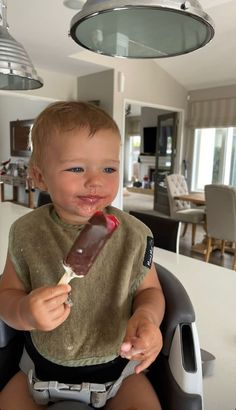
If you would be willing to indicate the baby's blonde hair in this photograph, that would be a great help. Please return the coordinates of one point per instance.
(64, 116)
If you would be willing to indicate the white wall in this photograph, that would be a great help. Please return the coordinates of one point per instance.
(213, 93)
(56, 86)
(98, 86)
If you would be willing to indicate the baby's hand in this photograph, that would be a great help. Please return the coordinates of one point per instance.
(45, 308)
(143, 340)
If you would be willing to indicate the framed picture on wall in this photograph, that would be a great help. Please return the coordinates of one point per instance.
(19, 138)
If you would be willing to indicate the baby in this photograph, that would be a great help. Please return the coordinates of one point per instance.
(118, 307)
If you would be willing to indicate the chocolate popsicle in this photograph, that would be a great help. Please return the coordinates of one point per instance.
(87, 246)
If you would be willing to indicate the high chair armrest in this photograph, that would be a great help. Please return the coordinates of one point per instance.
(179, 308)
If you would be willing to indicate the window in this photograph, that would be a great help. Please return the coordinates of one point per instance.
(214, 157)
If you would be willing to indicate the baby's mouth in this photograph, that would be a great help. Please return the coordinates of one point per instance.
(90, 199)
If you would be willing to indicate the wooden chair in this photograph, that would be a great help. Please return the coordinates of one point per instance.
(220, 217)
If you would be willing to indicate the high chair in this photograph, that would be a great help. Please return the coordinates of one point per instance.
(177, 372)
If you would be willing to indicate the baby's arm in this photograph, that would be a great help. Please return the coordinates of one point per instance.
(143, 339)
(43, 308)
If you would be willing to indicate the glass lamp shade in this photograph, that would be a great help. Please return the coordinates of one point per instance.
(142, 29)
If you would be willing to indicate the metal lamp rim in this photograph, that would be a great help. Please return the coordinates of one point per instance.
(91, 9)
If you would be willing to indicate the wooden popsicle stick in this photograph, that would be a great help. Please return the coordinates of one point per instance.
(68, 275)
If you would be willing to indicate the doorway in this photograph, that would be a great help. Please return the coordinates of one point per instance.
(139, 117)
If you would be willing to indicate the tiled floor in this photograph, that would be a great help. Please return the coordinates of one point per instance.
(144, 202)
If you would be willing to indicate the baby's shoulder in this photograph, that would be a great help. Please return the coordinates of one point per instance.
(33, 219)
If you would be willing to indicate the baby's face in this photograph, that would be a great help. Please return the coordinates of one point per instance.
(81, 172)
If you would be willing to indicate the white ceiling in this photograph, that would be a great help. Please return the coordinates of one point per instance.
(215, 64)
(42, 27)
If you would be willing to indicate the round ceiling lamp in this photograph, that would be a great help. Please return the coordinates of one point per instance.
(142, 29)
(16, 70)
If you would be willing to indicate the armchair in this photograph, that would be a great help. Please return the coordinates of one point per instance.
(181, 210)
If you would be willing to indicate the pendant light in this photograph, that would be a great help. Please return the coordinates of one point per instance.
(16, 69)
(142, 29)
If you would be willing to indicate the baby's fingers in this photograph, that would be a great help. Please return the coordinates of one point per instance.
(52, 292)
(133, 348)
(57, 317)
(56, 302)
(53, 318)
(144, 364)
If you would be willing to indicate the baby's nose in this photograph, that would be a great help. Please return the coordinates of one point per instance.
(94, 179)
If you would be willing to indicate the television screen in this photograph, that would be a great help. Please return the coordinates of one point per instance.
(149, 140)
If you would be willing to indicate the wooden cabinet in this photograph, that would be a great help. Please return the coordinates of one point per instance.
(16, 183)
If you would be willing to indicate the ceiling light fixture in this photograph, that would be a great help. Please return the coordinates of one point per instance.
(142, 29)
(16, 69)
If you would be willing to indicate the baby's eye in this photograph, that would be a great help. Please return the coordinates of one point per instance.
(109, 170)
(75, 169)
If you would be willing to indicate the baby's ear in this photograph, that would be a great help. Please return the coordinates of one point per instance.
(37, 176)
